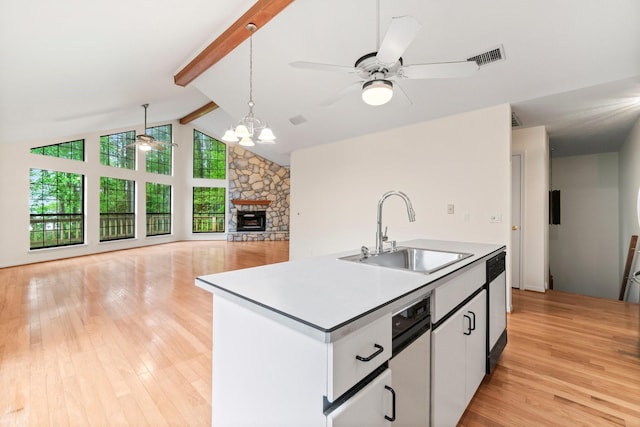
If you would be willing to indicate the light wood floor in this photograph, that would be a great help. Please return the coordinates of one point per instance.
(124, 338)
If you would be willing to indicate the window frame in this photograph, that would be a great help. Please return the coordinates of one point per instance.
(54, 218)
(210, 221)
(107, 218)
(165, 217)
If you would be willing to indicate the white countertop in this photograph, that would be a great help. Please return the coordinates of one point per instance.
(322, 296)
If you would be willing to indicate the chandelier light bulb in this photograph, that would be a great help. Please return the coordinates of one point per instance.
(247, 142)
(267, 136)
(230, 136)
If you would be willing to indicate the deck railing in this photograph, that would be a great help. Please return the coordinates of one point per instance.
(212, 223)
(115, 226)
(158, 223)
(49, 230)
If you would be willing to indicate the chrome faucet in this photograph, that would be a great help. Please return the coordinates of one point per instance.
(381, 238)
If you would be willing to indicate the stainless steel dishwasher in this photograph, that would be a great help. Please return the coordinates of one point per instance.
(411, 364)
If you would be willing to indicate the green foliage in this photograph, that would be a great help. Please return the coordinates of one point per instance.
(160, 161)
(73, 150)
(53, 192)
(209, 157)
(117, 150)
(158, 198)
(56, 201)
(117, 195)
(208, 209)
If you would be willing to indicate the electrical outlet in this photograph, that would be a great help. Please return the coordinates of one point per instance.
(495, 218)
(450, 209)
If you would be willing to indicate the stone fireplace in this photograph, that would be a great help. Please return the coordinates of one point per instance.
(257, 186)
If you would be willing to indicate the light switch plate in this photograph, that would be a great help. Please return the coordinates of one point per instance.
(495, 218)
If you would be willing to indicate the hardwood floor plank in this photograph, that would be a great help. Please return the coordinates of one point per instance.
(124, 338)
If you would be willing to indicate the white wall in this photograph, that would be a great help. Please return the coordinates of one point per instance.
(533, 143)
(629, 189)
(462, 160)
(584, 250)
(16, 160)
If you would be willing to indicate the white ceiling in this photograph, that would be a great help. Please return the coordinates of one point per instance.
(72, 66)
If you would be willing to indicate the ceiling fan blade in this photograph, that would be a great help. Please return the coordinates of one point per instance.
(322, 67)
(439, 70)
(344, 92)
(400, 34)
(404, 99)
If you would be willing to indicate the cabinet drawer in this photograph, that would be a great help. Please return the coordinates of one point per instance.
(356, 355)
(448, 296)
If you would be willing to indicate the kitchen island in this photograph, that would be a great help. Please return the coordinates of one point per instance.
(285, 335)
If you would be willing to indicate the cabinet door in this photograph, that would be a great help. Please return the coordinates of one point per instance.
(476, 350)
(448, 359)
(411, 382)
(368, 407)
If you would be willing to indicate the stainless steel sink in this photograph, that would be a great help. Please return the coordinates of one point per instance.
(411, 259)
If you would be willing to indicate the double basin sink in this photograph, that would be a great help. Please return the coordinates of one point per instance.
(411, 259)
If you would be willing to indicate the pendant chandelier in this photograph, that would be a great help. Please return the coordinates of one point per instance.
(250, 129)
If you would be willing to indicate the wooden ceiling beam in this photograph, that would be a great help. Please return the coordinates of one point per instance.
(260, 13)
(205, 109)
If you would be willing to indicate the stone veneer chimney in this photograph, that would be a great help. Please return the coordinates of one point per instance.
(252, 177)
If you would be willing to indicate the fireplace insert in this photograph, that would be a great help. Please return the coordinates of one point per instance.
(252, 221)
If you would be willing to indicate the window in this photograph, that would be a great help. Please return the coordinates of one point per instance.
(117, 209)
(73, 150)
(118, 150)
(158, 209)
(159, 161)
(209, 157)
(208, 209)
(56, 207)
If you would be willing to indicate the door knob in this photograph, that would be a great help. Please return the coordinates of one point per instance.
(514, 228)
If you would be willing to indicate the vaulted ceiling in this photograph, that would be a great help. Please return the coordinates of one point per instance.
(71, 67)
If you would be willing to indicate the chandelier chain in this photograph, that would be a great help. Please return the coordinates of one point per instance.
(251, 69)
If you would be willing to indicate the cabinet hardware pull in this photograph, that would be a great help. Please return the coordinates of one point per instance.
(393, 404)
(473, 327)
(368, 358)
(468, 331)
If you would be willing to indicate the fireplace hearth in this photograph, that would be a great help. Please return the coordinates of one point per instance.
(252, 221)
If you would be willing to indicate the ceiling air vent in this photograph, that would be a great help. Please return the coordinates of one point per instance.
(298, 120)
(490, 56)
(515, 120)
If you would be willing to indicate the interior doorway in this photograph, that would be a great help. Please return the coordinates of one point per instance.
(517, 193)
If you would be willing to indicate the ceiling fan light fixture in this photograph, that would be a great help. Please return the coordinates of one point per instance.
(377, 92)
(144, 146)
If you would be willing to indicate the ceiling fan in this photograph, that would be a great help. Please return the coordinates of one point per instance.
(379, 70)
(146, 142)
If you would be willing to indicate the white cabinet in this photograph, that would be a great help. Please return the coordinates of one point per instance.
(411, 380)
(373, 406)
(458, 361)
(267, 374)
(354, 356)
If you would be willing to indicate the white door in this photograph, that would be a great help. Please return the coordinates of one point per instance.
(516, 218)
(368, 407)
